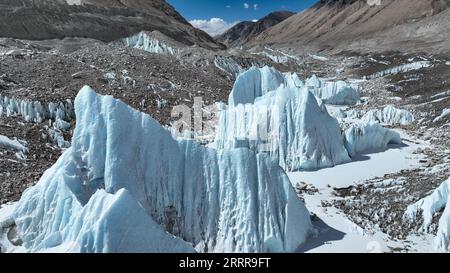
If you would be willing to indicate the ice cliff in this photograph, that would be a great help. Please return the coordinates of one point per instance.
(333, 92)
(289, 124)
(228, 65)
(148, 42)
(256, 82)
(366, 137)
(125, 185)
(36, 111)
(428, 207)
(401, 69)
(389, 115)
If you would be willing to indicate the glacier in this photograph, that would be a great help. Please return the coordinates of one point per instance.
(13, 144)
(401, 69)
(36, 111)
(289, 124)
(366, 137)
(389, 115)
(228, 65)
(255, 82)
(333, 92)
(148, 42)
(427, 209)
(445, 113)
(125, 185)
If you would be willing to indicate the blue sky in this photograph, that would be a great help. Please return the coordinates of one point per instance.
(215, 16)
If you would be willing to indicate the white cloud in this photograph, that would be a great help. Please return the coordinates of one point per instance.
(228, 6)
(214, 26)
(246, 6)
(255, 20)
(255, 6)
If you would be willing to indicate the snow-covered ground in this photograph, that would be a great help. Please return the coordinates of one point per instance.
(335, 232)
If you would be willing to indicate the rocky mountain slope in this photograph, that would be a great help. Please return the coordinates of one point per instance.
(356, 25)
(99, 19)
(245, 31)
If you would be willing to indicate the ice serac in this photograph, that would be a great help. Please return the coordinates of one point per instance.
(149, 42)
(368, 137)
(254, 83)
(228, 65)
(124, 173)
(401, 69)
(389, 115)
(287, 123)
(428, 207)
(333, 92)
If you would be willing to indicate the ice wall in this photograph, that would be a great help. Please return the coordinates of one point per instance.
(289, 124)
(427, 209)
(333, 92)
(124, 172)
(401, 69)
(147, 42)
(228, 65)
(254, 83)
(389, 115)
(35, 111)
(369, 137)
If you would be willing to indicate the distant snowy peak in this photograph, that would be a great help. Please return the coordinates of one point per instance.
(126, 185)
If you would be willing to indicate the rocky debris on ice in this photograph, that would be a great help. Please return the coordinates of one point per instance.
(445, 113)
(401, 69)
(428, 207)
(389, 115)
(148, 41)
(124, 173)
(333, 92)
(366, 137)
(289, 124)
